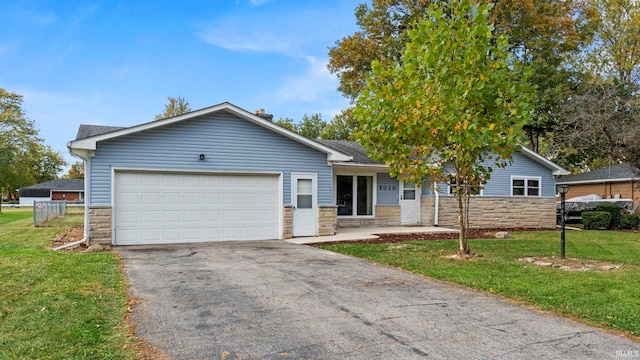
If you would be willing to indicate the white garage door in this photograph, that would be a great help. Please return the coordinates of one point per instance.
(162, 208)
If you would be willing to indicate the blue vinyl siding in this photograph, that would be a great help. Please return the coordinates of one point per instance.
(229, 144)
(500, 182)
(387, 190)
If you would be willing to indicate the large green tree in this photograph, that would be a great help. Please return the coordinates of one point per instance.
(601, 122)
(615, 53)
(453, 106)
(76, 171)
(176, 106)
(26, 159)
(542, 34)
(341, 126)
(310, 126)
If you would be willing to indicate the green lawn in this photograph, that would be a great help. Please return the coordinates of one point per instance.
(606, 299)
(54, 304)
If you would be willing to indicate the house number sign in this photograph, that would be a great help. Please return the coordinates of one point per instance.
(387, 187)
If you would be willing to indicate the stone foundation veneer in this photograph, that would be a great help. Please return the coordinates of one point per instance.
(493, 212)
(385, 216)
(287, 223)
(99, 225)
(327, 220)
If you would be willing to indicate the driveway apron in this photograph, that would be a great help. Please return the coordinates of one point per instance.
(276, 300)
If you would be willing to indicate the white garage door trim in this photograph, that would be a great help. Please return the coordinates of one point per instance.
(253, 212)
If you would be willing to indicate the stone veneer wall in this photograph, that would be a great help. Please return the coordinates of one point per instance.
(287, 223)
(493, 212)
(99, 225)
(385, 216)
(327, 220)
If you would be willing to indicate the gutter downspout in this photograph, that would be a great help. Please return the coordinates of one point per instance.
(87, 197)
(437, 205)
(87, 190)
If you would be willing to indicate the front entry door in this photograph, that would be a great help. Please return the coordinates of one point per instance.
(409, 204)
(305, 204)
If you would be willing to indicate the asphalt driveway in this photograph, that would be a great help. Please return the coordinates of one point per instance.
(276, 300)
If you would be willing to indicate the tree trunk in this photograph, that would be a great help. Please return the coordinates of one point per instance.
(464, 248)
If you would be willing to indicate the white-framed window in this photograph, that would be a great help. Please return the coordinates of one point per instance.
(355, 194)
(526, 186)
(452, 186)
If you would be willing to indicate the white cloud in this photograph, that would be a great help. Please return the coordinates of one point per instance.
(244, 39)
(313, 85)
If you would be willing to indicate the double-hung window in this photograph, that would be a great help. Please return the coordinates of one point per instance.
(354, 195)
(526, 186)
(453, 187)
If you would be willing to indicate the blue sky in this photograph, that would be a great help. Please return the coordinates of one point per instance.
(116, 62)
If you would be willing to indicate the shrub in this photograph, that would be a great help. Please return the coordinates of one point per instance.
(614, 211)
(596, 220)
(629, 221)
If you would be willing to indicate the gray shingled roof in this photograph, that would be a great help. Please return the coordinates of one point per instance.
(352, 149)
(60, 185)
(611, 173)
(85, 131)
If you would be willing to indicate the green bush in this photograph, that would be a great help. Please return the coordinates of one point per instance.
(596, 220)
(614, 211)
(629, 221)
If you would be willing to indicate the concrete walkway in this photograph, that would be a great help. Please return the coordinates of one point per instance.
(355, 234)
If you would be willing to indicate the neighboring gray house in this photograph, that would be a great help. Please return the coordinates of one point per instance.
(222, 173)
(615, 181)
(71, 190)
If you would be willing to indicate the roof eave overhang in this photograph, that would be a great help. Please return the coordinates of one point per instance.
(81, 151)
(86, 147)
(352, 164)
(596, 181)
(555, 168)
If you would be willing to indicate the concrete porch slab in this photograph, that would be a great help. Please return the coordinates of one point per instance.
(355, 234)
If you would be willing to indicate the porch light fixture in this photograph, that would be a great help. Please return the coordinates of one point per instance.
(201, 157)
(562, 190)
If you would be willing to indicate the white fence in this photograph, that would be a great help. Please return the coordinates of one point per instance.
(44, 211)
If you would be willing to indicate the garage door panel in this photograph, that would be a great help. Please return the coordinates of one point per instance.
(168, 208)
(130, 217)
(231, 198)
(192, 180)
(192, 234)
(130, 198)
(212, 232)
(171, 216)
(150, 234)
(231, 232)
(150, 216)
(172, 180)
(192, 198)
(172, 234)
(172, 198)
(212, 215)
(150, 198)
(267, 215)
(192, 216)
(148, 180)
(231, 215)
(250, 215)
(211, 198)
